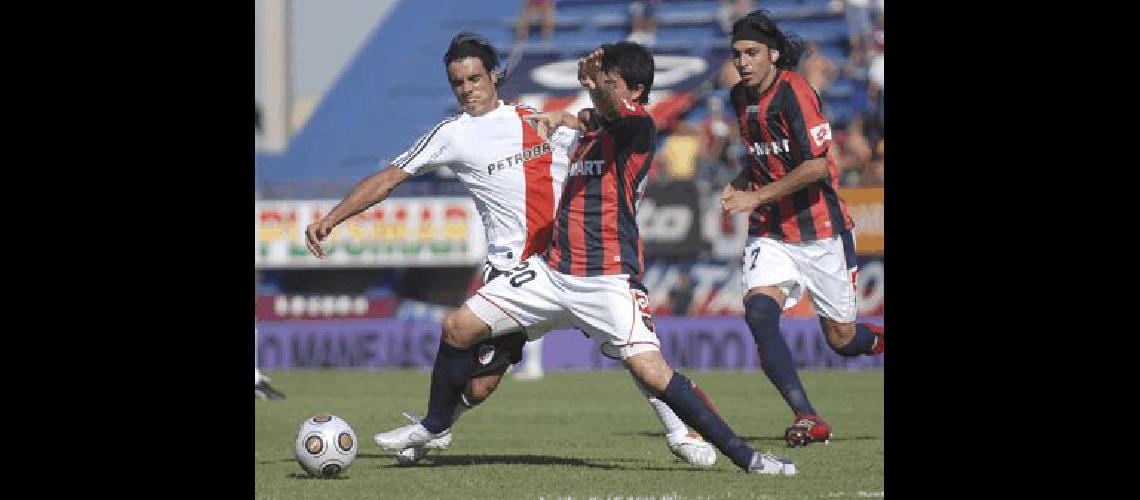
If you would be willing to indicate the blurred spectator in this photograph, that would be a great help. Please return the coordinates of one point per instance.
(875, 175)
(875, 73)
(257, 118)
(855, 67)
(681, 295)
(679, 153)
(644, 21)
(728, 75)
(858, 19)
(853, 153)
(730, 11)
(714, 163)
(543, 9)
(817, 69)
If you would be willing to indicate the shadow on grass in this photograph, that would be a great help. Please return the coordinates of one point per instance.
(765, 439)
(453, 460)
(298, 475)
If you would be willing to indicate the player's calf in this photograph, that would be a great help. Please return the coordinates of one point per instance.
(852, 339)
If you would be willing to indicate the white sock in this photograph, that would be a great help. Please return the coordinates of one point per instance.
(533, 356)
(674, 427)
(256, 376)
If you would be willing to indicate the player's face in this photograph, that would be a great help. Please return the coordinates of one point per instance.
(474, 87)
(616, 86)
(754, 61)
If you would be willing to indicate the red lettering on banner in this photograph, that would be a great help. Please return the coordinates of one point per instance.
(275, 217)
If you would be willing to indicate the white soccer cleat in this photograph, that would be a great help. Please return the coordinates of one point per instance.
(410, 436)
(767, 463)
(409, 456)
(414, 454)
(693, 451)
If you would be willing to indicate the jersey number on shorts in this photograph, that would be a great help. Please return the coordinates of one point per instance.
(755, 255)
(520, 275)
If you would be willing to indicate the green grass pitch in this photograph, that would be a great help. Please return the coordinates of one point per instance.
(574, 435)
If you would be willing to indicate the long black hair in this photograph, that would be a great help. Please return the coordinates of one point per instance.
(759, 26)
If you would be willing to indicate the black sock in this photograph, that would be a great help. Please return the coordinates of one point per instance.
(862, 343)
(762, 314)
(693, 411)
(449, 375)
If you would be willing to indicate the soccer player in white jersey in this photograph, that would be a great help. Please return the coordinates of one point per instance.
(515, 175)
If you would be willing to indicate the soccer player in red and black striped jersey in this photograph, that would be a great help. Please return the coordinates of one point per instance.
(799, 235)
(591, 275)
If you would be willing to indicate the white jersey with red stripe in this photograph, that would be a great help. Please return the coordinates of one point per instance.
(513, 175)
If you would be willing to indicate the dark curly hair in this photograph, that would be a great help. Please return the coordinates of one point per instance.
(633, 62)
(759, 26)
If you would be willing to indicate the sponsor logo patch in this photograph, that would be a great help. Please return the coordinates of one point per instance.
(486, 354)
(821, 133)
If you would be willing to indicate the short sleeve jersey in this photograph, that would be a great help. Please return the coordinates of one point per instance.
(781, 128)
(513, 175)
(595, 231)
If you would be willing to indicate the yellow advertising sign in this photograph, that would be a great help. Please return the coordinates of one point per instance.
(398, 232)
(865, 206)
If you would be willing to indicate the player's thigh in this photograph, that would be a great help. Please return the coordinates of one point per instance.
(769, 263)
(829, 270)
(613, 313)
(524, 301)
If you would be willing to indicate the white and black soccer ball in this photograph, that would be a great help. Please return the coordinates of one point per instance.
(325, 446)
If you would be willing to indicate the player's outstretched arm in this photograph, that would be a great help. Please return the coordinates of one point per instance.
(370, 191)
(547, 121)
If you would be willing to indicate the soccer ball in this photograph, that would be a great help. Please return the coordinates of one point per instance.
(325, 446)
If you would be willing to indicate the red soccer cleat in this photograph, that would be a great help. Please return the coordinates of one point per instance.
(807, 429)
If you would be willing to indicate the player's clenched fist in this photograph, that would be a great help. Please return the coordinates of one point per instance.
(588, 69)
(314, 234)
(735, 201)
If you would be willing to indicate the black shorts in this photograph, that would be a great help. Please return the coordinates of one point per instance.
(498, 353)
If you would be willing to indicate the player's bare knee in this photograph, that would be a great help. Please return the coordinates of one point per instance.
(651, 369)
(480, 388)
(839, 336)
(453, 333)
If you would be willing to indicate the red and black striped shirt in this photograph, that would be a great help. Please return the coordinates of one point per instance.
(595, 231)
(781, 128)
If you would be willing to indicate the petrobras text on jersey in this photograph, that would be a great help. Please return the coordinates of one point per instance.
(517, 159)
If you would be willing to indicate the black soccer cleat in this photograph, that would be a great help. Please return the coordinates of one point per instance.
(264, 391)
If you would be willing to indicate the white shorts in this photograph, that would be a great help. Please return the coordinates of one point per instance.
(827, 268)
(536, 299)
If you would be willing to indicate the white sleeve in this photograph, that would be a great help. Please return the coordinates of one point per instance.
(564, 139)
(434, 148)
